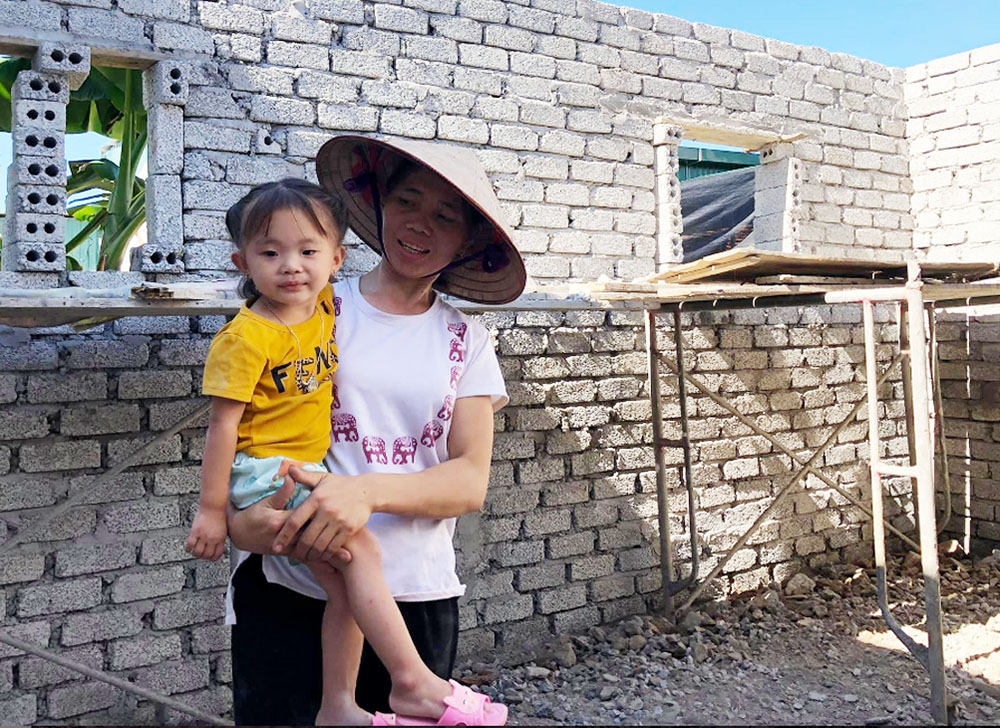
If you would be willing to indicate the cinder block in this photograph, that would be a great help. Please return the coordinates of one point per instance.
(41, 200)
(26, 227)
(155, 258)
(72, 62)
(35, 170)
(32, 142)
(40, 87)
(39, 114)
(265, 143)
(34, 257)
(166, 140)
(163, 213)
(166, 83)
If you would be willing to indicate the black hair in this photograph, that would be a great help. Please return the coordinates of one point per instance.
(251, 216)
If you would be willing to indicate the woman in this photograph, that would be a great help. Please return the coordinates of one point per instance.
(412, 425)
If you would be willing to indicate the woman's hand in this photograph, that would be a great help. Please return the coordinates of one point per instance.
(337, 508)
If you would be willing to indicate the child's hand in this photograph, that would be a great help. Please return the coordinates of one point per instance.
(208, 535)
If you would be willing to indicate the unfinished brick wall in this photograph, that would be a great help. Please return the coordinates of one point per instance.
(953, 131)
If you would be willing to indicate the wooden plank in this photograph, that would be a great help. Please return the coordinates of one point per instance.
(749, 263)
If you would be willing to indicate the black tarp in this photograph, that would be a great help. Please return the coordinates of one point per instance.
(718, 212)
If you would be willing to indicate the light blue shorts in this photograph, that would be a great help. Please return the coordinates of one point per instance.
(253, 479)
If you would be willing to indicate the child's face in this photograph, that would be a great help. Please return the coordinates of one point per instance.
(423, 224)
(291, 260)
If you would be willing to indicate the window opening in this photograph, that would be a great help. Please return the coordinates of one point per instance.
(99, 212)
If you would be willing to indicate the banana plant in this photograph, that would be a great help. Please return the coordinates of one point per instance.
(108, 197)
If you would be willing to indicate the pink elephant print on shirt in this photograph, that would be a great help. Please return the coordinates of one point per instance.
(456, 372)
(344, 425)
(458, 329)
(404, 449)
(457, 352)
(336, 305)
(336, 397)
(374, 448)
(432, 431)
(446, 409)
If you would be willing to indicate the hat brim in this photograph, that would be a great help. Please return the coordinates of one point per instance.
(344, 166)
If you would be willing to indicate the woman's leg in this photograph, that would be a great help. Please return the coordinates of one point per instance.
(277, 660)
(416, 690)
(342, 641)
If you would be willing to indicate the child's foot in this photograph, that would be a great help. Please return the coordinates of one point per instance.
(461, 706)
(343, 714)
(423, 699)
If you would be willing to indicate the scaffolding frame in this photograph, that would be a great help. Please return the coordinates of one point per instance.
(917, 353)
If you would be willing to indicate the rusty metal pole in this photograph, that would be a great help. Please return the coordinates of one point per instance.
(926, 507)
(662, 502)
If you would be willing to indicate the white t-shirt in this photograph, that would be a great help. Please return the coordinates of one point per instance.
(394, 392)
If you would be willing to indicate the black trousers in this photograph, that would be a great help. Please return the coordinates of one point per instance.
(277, 652)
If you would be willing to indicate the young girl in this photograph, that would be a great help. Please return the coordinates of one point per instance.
(269, 373)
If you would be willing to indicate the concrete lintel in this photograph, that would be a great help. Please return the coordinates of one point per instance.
(720, 132)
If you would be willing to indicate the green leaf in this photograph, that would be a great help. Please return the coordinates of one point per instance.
(94, 224)
(72, 264)
(90, 173)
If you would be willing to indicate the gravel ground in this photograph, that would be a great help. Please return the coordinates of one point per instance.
(817, 652)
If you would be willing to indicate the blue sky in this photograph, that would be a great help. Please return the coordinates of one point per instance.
(894, 32)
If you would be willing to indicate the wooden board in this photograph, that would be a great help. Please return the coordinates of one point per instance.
(750, 263)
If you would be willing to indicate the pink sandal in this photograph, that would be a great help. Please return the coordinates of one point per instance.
(464, 707)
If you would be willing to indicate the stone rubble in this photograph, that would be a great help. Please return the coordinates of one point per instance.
(798, 656)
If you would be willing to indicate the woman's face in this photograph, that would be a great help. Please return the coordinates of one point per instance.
(423, 224)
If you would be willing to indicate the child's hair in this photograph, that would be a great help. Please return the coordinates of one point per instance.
(251, 216)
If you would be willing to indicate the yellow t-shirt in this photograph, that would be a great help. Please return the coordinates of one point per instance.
(257, 361)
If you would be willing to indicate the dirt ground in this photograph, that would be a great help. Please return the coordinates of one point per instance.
(816, 653)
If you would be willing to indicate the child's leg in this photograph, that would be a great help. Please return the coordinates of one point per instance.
(416, 690)
(342, 643)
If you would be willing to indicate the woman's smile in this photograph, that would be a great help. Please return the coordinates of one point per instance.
(409, 248)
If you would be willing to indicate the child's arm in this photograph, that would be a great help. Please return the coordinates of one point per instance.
(208, 533)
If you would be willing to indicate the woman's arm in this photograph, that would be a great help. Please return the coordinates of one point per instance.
(208, 533)
(340, 506)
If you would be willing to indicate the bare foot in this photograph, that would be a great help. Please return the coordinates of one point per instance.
(343, 715)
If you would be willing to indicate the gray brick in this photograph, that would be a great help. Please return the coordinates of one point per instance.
(166, 452)
(28, 357)
(508, 608)
(177, 36)
(192, 609)
(146, 649)
(100, 419)
(100, 626)
(127, 486)
(298, 55)
(339, 11)
(356, 63)
(22, 424)
(30, 15)
(562, 599)
(351, 118)
(402, 20)
(107, 25)
(175, 677)
(21, 567)
(571, 545)
(36, 633)
(141, 517)
(131, 352)
(22, 710)
(177, 481)
(60, 456)
(241, 19)
(278, 110)
(64, 596)
(164, 549)
(35, 672)
(147, 584)
(210, 638)
(81, 698)
(93, 558)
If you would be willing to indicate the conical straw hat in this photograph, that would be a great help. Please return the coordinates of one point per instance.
(354, 166)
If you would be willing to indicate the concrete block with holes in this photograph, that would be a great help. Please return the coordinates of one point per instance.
(163, 210)
(31, 227)
(165, 83)
(29, 170)
(47, 115)
(30, 141)
(158, 258)
(38, 199)
(71, 61)
(33, 257)
(31, 85)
